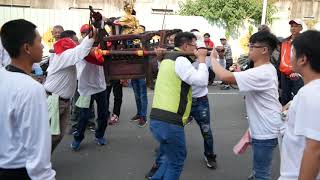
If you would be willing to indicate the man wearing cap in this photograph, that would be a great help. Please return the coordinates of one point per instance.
(228, 57)
(290, 82)
(227, 53)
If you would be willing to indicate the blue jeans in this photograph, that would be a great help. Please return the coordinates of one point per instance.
(262, 157)
(201, 112)
(140, 93)
(172, 150)
(103, 113)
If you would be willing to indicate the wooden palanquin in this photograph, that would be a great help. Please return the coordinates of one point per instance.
(127, 65)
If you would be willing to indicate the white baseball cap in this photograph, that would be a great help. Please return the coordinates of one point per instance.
(296, 21)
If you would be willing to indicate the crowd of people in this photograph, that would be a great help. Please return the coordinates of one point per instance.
(35, 116)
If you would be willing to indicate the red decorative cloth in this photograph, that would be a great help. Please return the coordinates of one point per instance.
(63, 44)
(95, 57)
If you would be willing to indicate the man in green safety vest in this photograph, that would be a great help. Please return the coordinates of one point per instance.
(172, 104)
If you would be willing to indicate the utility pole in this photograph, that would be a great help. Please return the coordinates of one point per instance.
(264, 12)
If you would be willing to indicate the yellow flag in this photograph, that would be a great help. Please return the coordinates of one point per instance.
(48, 38)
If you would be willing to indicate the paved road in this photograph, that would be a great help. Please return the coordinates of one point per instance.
(130, 150)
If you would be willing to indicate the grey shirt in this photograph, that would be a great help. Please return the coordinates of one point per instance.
(228, 52)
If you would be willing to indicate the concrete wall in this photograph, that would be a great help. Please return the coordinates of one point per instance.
(106, 5)
(306, 10)
(46, 14)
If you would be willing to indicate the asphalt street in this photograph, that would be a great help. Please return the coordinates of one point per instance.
(129, 153)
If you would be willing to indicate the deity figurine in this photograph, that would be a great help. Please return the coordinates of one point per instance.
(129, 22)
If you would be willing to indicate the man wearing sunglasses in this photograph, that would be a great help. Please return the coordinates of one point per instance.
(172, 104)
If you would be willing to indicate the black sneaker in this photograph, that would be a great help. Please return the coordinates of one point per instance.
(225, 87)
(251, 177)
(211, 161)
(135, 118)
(73, 129)
(91, 126)
(152, 171)
(142, 122)
(190, 119)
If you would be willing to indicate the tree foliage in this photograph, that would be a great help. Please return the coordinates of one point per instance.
(230, 14)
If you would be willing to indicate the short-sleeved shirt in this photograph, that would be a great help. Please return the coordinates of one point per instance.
(260, 86)
(303, 122)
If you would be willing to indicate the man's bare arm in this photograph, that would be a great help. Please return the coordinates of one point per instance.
(310, 164)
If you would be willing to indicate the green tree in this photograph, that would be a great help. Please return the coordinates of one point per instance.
(230, 14)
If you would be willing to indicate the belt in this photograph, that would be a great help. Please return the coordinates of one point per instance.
(60, 98)
(200, 98)
(19, 173)
(13, 170)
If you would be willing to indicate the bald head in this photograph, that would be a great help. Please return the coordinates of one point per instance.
(56, 31)
(264, 27)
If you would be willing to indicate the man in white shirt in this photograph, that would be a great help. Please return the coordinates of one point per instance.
(24, 136)
(200, 111)
(91, 87)
(260, 85)
(300, 152)
(62, 77)
(221, 57)
(172, 104)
